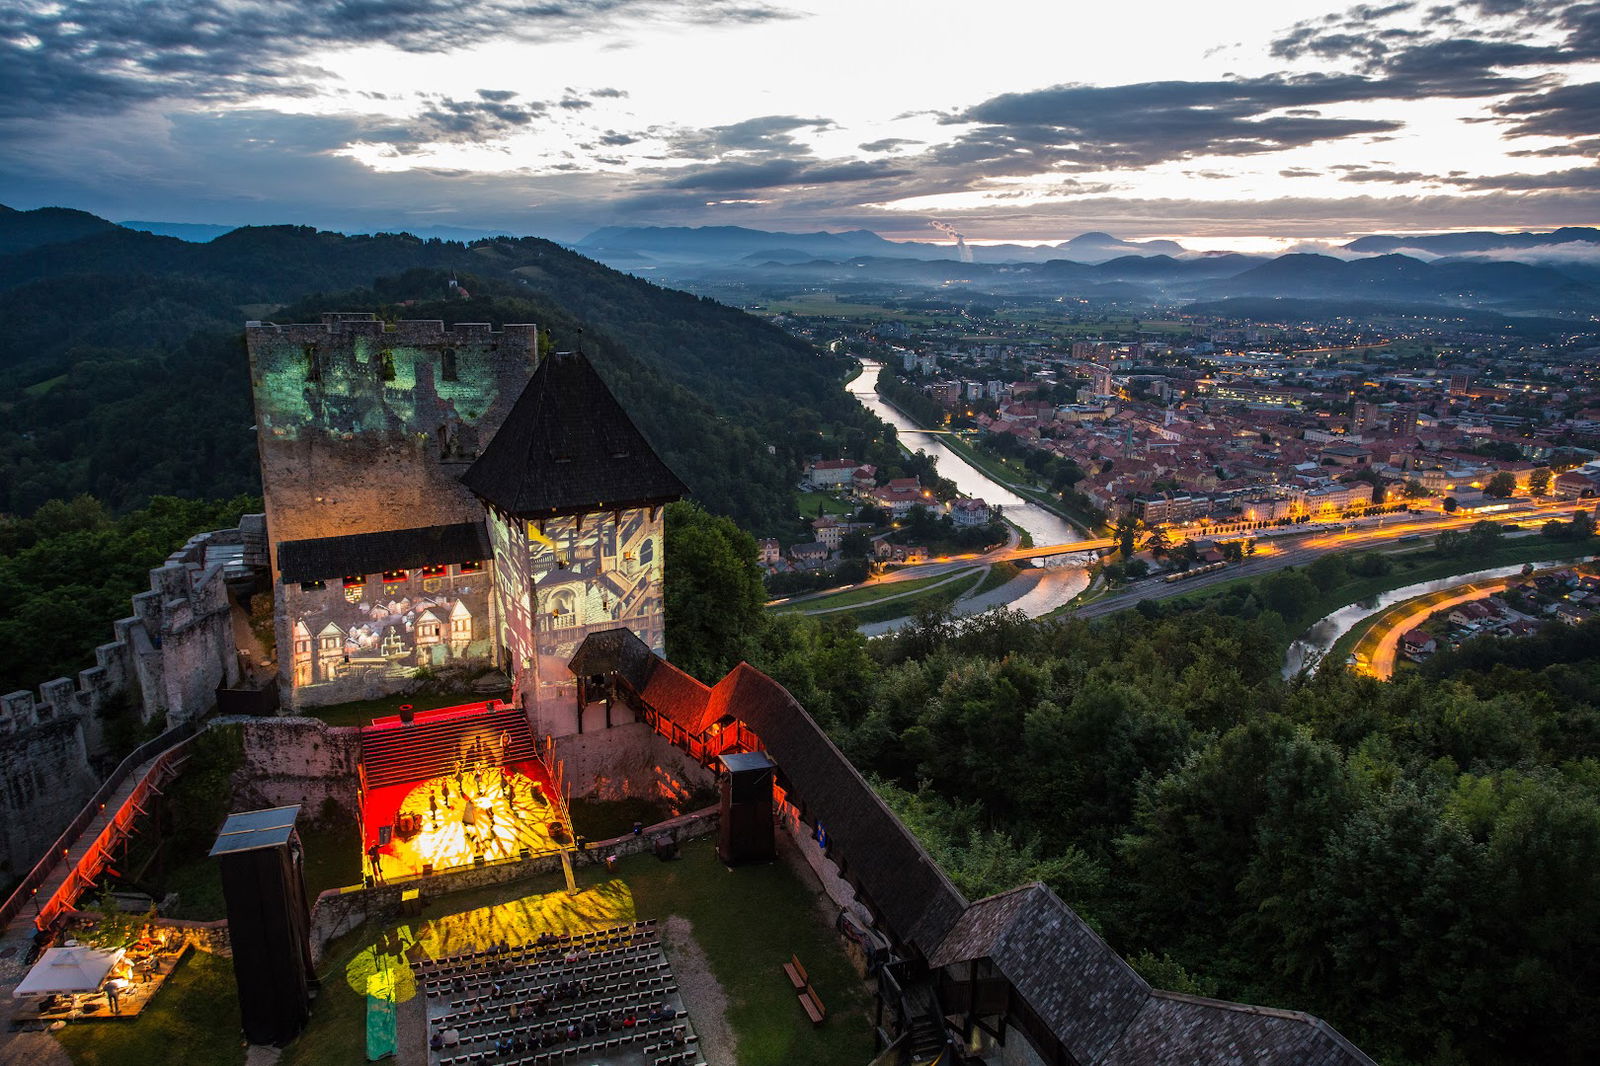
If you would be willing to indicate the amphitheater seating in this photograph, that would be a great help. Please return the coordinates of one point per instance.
(593, 995)
(393, 754)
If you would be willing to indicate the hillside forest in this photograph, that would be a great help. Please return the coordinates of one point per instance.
(125, 393)
(1417, 861)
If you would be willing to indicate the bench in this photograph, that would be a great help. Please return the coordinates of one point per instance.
(813, 1005)
(796, 973)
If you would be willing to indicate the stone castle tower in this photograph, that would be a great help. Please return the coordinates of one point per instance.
(433, 507)
(574, 496)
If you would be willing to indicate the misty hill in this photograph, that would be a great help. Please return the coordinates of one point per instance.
(1401, 278)
(628, 245)
(727, 242)
(184, 231)
(1090, 247)
(124, 371)
(1550, 287)
(1480, 241)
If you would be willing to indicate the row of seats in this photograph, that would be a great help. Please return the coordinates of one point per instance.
(482, 976)
(523, 986)
(639, 1010)
(608, 997)
(602, 1043)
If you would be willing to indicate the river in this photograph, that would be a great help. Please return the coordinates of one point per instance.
(1043, 526)
(1325, 632)
(1035, 594)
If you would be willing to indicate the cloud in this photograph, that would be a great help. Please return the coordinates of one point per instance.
(1574, 178)
(1364, 174)
(104, 56)
(1563, 111)
(768, 135)
(1155, 122)
(888, 144)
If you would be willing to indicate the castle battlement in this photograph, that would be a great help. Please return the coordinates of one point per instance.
(425, 332)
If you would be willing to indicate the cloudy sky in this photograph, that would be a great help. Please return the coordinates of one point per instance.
(1229, 123)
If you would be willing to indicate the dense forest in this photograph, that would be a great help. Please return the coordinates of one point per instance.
(69, 570)
(1417, 861)
(126, 391)
(125, 375)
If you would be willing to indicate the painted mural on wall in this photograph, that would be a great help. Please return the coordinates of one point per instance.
(365, 425)
(585, 573)
(370, 634)
(413, 382)
(513, 591)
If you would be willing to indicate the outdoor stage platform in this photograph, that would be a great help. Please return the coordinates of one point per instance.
(446, 788)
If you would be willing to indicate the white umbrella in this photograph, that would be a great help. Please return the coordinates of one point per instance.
(64, 971)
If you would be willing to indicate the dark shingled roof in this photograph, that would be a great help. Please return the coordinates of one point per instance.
(872, 848)
(618, 650)
(568, 447)
(1179, 1030)
(372, 553)
(1081, 989)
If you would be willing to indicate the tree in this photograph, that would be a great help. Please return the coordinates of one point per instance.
(1289, 592)
(1158, 544)
(1539, 481)
(1415, 489)
(712, 591)
(1501, 485)
(1123, 532)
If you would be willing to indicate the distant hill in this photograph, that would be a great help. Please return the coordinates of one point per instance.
(185, 231)
(122, 370)
(1092, 247)
(21, 230)
(732, 242)
(1480, 241)
(625, 245)
(1399, 277)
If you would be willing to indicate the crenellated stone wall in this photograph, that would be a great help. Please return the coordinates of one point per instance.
(165, 664)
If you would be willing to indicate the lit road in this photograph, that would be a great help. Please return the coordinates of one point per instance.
(1296, 548)
(1378, 646)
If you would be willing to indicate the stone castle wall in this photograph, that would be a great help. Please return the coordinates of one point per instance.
(365, 426)
(165, 664)
(299, 760)
(631, 760)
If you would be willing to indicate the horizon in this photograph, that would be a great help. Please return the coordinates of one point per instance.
(1242, 244)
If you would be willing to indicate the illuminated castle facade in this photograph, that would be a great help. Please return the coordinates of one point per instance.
(445, 501)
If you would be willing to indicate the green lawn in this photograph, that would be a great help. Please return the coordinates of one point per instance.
(604, 819)
(870, 593)
(888, 610)
(808, 502)
(747, 921)
(998, 575)
(193, 1019)
(333, 855)
(362, 712)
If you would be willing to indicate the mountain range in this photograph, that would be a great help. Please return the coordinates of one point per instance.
(1509, 272)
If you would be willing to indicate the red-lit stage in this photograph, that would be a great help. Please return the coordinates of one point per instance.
(455, 786)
